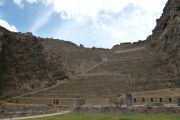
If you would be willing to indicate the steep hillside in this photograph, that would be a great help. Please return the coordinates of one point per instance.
(72, 58)
(29, 63)
(22, 63)
(166, 37)
(153, 63)
(144, 73)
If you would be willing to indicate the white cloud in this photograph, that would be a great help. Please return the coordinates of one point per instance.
(91, 8)
(105, 22)
(5, 24)
(20, 3)
(112, 21)
(32, 1)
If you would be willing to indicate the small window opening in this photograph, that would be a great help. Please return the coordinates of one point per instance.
(56, 101)
(170, 99)
(152, 100)
(160, 99)
(143, 99)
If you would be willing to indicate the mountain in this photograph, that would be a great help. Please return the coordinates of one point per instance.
(29, 63)
(65, 76)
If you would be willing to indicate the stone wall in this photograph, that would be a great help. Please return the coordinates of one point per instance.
(97, 75)
(72, 58)
(168, 110)
(10, 111)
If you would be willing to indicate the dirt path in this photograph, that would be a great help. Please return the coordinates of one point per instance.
(37, 91)
(37, 116)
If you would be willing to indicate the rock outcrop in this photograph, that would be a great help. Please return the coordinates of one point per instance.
(71, 58)
(22, 63)
(96, 76)
(166, 37)
(28, 62)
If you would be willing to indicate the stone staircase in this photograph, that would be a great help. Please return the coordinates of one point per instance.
(77, 92)
(119, 74)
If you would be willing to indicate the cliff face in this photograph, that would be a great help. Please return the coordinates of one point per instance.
(28, 63)
(166, 37)
(153, 63)
(22, 63)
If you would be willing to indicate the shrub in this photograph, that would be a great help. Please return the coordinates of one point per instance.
(60, 75)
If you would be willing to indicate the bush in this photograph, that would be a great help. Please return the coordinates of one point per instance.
(93, 48)
(60, 75)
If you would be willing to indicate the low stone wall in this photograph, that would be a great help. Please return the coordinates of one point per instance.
(9, 111)
(174, 110)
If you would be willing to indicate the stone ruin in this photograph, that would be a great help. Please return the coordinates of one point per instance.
(131, 77)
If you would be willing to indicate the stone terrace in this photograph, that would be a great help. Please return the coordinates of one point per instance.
(119, 74)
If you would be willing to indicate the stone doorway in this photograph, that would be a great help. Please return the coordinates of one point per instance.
(129, 100)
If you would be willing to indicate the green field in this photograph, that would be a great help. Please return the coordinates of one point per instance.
(98, 116)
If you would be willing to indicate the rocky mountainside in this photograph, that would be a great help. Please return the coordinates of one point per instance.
(28, 63)
(69, 57)
(166, 37)
(153, 63)
(22, 63)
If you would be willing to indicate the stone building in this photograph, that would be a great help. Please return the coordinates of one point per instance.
(164, 97)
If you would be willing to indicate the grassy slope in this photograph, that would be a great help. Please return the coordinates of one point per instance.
(97, 116)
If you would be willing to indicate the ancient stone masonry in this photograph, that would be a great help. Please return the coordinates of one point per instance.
(163, 97)
(70, 57)
(139, 72)
(29, 63)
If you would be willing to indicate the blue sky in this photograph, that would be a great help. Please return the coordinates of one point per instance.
(99, 23)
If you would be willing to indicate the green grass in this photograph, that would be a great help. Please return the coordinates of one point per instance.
(99, 116)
